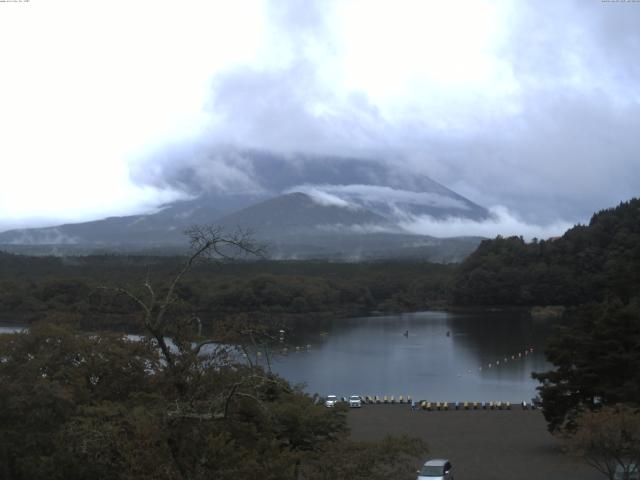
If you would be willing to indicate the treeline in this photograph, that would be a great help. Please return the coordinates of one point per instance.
(588, 263)
(595, 271)
(35, 287)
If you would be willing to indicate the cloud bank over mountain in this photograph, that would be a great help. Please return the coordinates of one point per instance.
(501, 222)
(529, 108)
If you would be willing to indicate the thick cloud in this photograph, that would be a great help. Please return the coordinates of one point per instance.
(549, 130)
(501, 222)
(533, 106)
(369, 194)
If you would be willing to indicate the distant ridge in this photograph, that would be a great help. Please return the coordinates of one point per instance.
(336, 208)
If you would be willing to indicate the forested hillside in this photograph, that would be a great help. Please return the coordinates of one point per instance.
(595, 271)
(587, 263)
(33, 288)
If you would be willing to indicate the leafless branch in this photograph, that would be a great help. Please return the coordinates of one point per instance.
(198, 346)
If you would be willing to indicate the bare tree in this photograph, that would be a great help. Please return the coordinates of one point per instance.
(180, 338)
(207, 242)
(609, 440)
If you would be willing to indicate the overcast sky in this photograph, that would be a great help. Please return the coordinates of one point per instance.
(531, 108)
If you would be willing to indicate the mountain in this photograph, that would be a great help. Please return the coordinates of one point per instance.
(303, 207)
(164, 227)
(292, 225)
(297, 226)
(379, 186)
(297, 213)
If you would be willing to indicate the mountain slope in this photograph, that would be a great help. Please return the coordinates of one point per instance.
(163, 227)
(371, 183)
(298, 213)
(331, 207)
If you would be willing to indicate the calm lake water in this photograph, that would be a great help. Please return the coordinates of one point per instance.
(373, 356)
(444, 357)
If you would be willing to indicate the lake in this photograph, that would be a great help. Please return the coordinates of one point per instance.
(433, 355)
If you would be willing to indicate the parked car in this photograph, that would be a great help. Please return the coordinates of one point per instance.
(634, 472)
(436, 469)
(331, 401)
(355, 401)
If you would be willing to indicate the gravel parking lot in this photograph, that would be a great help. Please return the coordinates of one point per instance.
(481, 444)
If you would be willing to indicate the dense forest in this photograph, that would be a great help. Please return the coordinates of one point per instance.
(594, 270)
(588, 263)
(179, 403)
(33, 288)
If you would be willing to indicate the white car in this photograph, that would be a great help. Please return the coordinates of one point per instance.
(355, 401)
(331, 401)
(437, 469)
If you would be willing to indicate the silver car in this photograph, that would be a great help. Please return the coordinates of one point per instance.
(331, 401)
(355, 401)
(436, 469)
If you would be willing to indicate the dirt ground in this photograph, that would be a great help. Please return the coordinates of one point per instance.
(481, 444)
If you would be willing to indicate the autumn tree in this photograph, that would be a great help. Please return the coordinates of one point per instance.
(609, 440)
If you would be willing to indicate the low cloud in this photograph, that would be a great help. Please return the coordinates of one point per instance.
(47, 236)
(360, 228)
(502, 222)
(380, 193)
(324, 198)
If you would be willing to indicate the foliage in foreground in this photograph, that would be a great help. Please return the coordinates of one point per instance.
(608, 440)
(75, 405)
(596, 358)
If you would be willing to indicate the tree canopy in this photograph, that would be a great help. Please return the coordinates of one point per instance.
(76, 405)
(588, 263)
(596, 357)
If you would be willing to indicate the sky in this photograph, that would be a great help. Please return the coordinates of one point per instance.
(529, 108)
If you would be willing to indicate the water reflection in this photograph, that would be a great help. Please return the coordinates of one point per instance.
(11, 329)
(373, 356)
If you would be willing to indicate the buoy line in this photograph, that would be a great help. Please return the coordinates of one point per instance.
(505, 359)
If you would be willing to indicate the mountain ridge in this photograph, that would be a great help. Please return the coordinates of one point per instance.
(347, 209)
